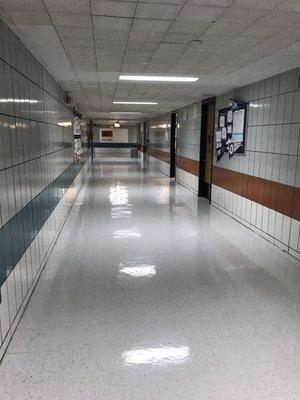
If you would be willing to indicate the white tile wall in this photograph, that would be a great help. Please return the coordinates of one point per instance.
(279, 229)
(186, 179)
(272, 152)
(188, 141)
(17, 289)
(159, 165)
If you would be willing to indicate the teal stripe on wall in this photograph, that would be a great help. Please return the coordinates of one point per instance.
(18, 233)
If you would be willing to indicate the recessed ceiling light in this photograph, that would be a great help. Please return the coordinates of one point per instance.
(150, 78)
(125, 112)
(136, 102)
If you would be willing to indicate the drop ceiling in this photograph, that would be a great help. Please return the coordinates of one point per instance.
(86, 44)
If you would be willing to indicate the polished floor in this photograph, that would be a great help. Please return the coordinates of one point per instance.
(150, 293)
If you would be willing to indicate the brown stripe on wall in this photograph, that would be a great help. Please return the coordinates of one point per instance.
(160, 154)
(282, 198)
(188, 165)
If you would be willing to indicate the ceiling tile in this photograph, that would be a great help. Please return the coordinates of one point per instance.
(27, 5)
(259, 4)
(159, 11)
(74, 33)
(136, 45)
(26, 17)
(281, 18)
(290, 5)
(225, 28)
(80, 51)
(109, 45)
(189, 28)
(154, 25)
(113, 8)
(168, 48)
(112, 23)
(146, 36)
(289, 33)
(77, 42)
(107, 34)
(261, 31)
(179, 37)
(68, 6)
(200, 13)
(218, 3)
(242, 15)
(72, 20)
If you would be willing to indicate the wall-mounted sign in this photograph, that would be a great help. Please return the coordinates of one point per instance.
(230, 134)
(107, 135)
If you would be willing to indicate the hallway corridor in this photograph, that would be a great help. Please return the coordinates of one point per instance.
(151, 293)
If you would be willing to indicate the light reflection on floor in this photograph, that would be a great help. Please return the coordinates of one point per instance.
(162, 355)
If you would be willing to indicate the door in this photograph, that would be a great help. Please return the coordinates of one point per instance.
(206, 147)
(173, 145)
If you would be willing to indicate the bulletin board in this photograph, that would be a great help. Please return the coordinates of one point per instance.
(231, 130)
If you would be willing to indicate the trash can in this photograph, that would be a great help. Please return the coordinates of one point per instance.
(133, 152)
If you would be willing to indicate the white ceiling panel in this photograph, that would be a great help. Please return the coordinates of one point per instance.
(290, 5)
(218, 3)
(29, 17)
(113, 8)
(28, 5)
(75, 32)
(242, 15)
(280, 18)
(259, 4)
(72, 20)
(86, 44)
(225, 28)
(159, 11)
(200, 13)
(151, 25)
(112, 23)
(261, 31)
(67, 6)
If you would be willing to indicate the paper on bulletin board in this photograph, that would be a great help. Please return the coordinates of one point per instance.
(218, 136)
(222, 121)
(229, 116)
(229, 129)
(224, 133)
(238, 121)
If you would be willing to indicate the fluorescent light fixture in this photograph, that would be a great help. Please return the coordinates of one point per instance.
(11, 100)
(125, 112)
(142, 103)
(152, 78)
(65, 124)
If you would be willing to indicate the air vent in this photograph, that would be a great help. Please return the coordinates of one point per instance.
(69, 100)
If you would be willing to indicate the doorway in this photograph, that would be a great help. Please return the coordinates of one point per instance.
(173, 145)
(206, 147)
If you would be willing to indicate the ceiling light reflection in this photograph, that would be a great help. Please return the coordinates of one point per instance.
(120, 212)
(118, 195)
(162, 355)
(138, 271)
(126, 233)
